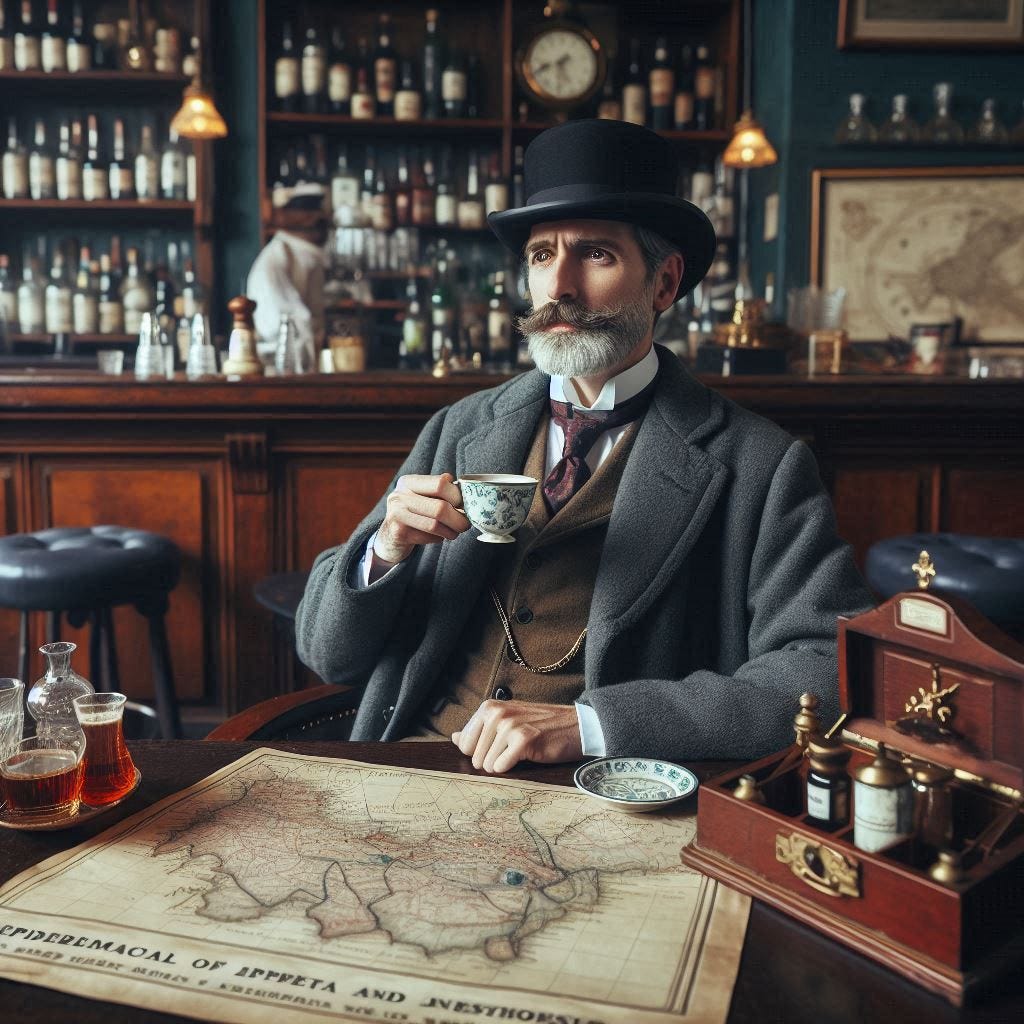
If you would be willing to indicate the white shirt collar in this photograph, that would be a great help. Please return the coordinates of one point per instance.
(624, 385)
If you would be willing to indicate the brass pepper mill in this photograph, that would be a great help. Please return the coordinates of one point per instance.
(242, 360)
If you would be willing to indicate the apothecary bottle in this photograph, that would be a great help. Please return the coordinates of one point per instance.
(942, 128)
(828, 784)
(883, 803)
(50, 699)
(900, 127)
(855, 127)
(989, 129)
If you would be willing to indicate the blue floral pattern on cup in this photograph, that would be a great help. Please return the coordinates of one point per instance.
(497, 504)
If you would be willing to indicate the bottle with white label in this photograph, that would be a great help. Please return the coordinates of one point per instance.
(634, 88)
(28, 39)
(453, 86)
(31, 308)
(445, 204)
(111, 311)
(78, 48)
(121, 173)
(286, 72)
(496, 191)
(15, 164)
(58, 298)
(470, 212)
(147, 166)
(53, 46)
(68, 168)
(344, 187)
(95, 182)
(314, 72)
(828, 784)
(883, 803)
(339, 74)
(191, 297)
(42, 179)
(85, 300)
(661, 80)
(137, 295)
(363, 103)
(173, 169)
(408, 100)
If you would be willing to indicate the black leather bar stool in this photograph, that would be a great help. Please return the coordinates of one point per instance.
(84, 572)
(988, 572)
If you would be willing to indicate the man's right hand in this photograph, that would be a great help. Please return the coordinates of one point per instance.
(421, 510)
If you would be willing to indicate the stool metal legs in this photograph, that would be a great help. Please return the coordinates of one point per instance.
(163, 679)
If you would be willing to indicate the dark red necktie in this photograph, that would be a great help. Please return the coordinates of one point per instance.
(582, 428)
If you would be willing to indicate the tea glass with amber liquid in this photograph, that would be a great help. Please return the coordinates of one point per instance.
(42, 780)
(109, 769)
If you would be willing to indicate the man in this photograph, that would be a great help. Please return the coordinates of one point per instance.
(676, 584)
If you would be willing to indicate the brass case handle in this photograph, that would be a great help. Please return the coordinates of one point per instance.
(819, 866)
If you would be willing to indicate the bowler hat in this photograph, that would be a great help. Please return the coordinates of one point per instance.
(608, 170)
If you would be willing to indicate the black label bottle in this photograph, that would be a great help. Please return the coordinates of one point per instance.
(828, 784)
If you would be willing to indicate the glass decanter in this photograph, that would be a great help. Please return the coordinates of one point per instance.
(50, 699)
(900, 127)
(988, 128)
(855, 127)
(942, 128)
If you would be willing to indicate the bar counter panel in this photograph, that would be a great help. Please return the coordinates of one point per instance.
(256, 477)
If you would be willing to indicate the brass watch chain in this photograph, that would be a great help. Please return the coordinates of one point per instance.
(538, 670)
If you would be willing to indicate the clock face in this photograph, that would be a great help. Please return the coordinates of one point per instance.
(561, 65)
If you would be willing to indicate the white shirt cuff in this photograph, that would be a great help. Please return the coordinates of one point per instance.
(591, 733)
(362, 576)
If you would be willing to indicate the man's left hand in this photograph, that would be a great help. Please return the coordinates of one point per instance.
(501, 733)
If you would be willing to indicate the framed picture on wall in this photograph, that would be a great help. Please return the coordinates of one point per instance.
(920, 245)
(931, 24)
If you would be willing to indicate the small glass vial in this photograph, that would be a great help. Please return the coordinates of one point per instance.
(933, 806)
(942, 128)
(988, 129)
(900, 128)
(883, 803)
(828, 784)
(855, 127)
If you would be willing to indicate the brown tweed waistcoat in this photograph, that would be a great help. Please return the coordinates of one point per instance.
(545, 582)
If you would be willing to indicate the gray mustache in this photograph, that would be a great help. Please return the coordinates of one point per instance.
(563, 312)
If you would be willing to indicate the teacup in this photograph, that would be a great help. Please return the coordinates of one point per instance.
(497, 504)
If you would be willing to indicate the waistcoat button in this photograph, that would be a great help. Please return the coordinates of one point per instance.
(524, 615)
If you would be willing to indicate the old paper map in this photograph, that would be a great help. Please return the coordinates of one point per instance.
(926, 250)
(288, 888)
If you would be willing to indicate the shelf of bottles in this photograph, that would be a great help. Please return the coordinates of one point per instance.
(99, 199)
(414, 123)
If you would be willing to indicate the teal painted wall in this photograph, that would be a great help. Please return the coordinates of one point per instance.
(802, 84)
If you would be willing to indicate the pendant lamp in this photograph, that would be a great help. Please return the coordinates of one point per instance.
(198, 117)
(749, 146)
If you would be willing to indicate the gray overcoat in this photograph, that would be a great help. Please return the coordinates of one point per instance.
(715, 602)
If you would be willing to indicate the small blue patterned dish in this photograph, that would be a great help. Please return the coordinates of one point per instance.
(635, 783)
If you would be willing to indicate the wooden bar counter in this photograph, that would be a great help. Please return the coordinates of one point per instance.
(257, 477)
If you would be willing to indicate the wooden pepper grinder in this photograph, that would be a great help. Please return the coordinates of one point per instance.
(242, 360)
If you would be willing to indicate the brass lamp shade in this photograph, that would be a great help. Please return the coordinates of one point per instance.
(749, 146)
(198, 118)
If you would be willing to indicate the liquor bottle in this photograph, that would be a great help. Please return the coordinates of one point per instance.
(15, 164)
(85, 301)
(385, 68)
(473, 85)
(442, 310)
(988, 129)
(683, 103)
(704, 85)
(42, 183)
(121, 173)
(518, 187)
(702, 182)
(661, 82)
(855, 127)
(403, 191)
(408, 101)
(499, 325)
(318, 170)
(496, 190)
(301, 171)
(279, 190)
(423, 198)
(58, 298)
(53, 46)
(412, 349)
(433, 64)
(77, 48)
(634, 89)
(473, 311)
(191, 294)
(286, 72)
(445, 205)
(720, 207)
(382, 215)
(900, 127)
(364, 103)
(147, 166)
(133, 54)
(339, 74)
(8, 299)
(27, 39)
(470, 210)
(942, 128)
(344, 187)
(173, 169)
(453, 86)
(137, 295)
(104, 50)
(368, 189)
(609, 102)
(31, 305)
(95, 181)
(314, 72)
(6, 45)
(111, 311)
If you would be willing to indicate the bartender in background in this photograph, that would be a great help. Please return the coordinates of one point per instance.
(288, 274)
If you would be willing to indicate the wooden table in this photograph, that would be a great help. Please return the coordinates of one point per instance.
(788, 973)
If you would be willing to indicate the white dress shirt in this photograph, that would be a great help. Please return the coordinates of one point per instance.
(620, 388)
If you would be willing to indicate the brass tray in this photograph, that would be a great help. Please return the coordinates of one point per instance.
(84, 814)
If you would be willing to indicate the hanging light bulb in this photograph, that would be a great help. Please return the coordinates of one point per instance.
(198, 117)
(749, 146)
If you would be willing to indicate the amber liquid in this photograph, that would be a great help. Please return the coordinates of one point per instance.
(109, 769)
(41, 783)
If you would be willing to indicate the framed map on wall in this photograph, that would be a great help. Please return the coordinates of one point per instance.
(930, 24)
(916, 245)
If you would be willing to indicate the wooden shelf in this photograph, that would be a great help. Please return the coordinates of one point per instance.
(76, 339)
(382, 125)
(135, 206)
(60, 79)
